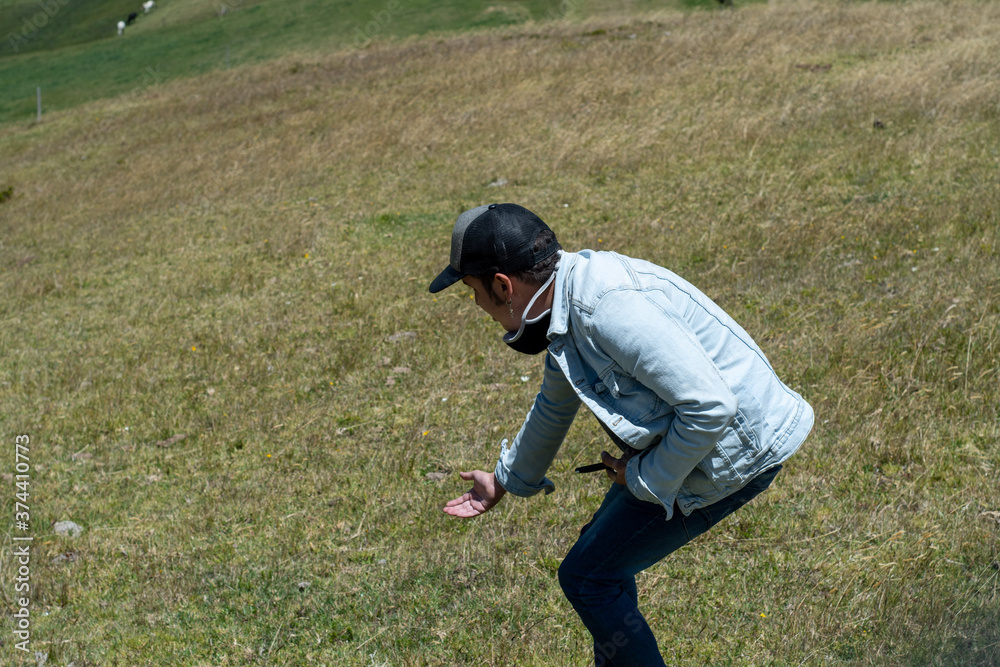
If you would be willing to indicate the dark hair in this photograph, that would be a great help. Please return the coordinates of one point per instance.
(536, 275)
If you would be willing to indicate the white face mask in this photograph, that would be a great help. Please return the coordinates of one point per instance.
(530, 337)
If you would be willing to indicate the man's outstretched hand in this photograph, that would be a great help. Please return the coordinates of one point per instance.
(481, 498)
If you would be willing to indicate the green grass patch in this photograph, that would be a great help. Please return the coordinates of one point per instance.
(217, 334)
(76, 56)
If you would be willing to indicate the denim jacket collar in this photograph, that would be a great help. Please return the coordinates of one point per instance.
(559, 326)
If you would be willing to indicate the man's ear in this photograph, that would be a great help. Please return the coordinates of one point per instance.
(503, 287)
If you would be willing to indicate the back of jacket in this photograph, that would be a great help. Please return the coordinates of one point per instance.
(668, 372)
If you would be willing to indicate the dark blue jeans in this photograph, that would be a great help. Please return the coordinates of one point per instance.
(625, 536)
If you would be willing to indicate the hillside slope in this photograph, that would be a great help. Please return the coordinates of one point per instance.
(72, 52)
(217, 334)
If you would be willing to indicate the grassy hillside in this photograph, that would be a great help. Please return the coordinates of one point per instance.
(184, 37)
(45, 26)
(54, 24)
(218, 336)
(71, 50)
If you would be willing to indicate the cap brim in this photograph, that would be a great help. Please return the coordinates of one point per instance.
(446, 278)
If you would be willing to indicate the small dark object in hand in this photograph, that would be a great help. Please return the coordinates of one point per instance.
(593, 467)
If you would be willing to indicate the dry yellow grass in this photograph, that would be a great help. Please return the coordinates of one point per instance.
(264, 232)
(539, 108)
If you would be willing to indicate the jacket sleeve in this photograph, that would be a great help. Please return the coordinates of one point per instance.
(522, 467)
(657, 347)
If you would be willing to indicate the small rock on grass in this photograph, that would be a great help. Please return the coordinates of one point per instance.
(402, 335)
(67, 528)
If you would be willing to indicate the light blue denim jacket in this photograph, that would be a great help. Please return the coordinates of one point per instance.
(667, 371)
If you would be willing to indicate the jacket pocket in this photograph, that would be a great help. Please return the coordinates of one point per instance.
(628, 397)
(737, 453)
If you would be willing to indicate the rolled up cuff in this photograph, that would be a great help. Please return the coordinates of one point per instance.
(513, 484)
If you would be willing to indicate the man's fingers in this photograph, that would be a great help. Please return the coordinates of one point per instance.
(476, 500)
(611, 462)
(459, 511)
(458, 507)
(617, 467)
(464, 509)
(464, 498)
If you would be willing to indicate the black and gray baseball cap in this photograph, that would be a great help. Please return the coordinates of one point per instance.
(494, 237)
